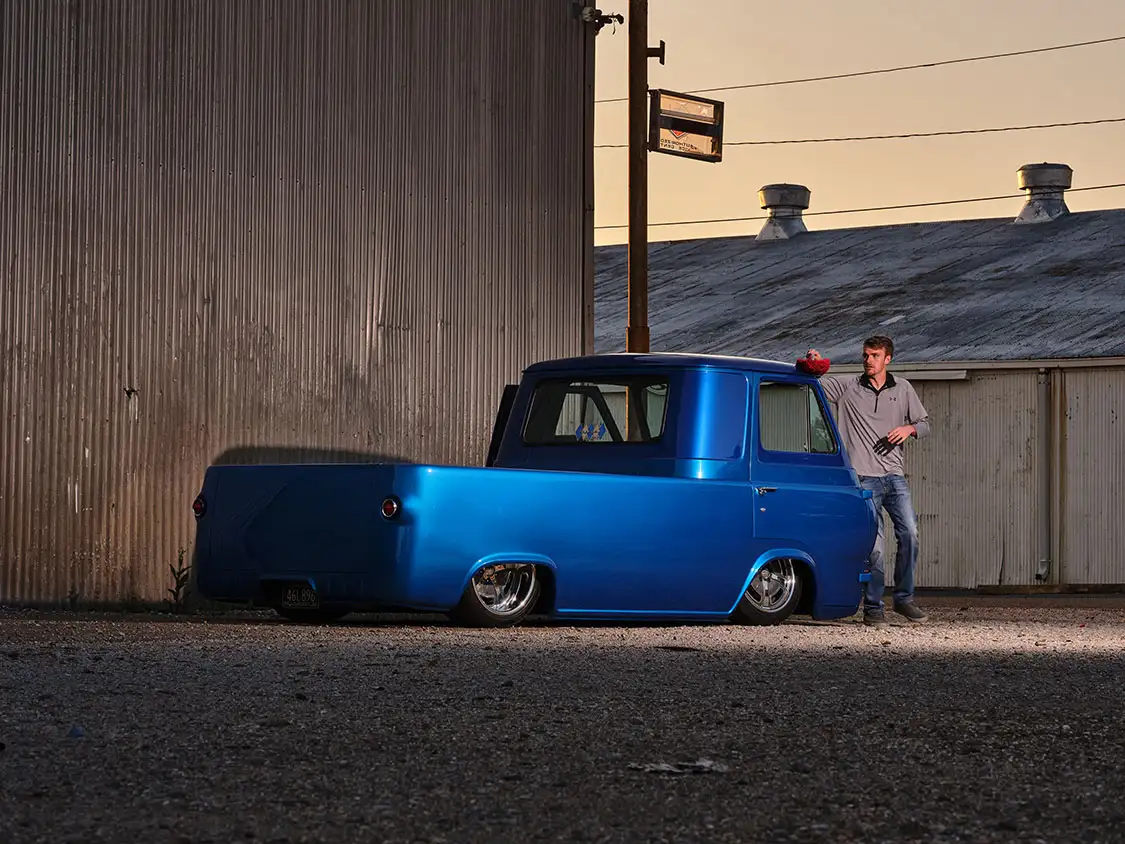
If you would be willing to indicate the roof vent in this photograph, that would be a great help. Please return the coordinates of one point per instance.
(785, 204)
(1045, 185)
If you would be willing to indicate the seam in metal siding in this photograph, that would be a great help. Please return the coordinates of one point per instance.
(268, 232)
(974, 483)
(1093, 529)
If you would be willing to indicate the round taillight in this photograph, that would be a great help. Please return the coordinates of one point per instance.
(390, 507)
(199, 506)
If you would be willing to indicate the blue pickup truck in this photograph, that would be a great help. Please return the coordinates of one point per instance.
(621, 486)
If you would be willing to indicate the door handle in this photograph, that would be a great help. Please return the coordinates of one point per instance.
(762, 490)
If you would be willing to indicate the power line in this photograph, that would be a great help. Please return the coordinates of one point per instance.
(906, 135)
(861, 210)
(890, 69)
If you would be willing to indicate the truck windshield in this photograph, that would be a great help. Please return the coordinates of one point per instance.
(614, 409)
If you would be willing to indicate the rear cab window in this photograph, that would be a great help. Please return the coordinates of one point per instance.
(608, 409)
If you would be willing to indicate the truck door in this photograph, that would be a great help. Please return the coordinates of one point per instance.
(804, 491)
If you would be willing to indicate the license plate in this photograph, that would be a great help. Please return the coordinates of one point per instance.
(299, 598)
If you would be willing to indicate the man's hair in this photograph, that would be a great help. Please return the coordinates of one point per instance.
(880, 342)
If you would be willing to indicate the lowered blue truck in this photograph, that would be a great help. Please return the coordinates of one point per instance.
(620, 486)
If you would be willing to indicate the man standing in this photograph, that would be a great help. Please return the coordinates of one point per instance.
(876, 414)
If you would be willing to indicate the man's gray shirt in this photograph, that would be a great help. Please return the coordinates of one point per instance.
(865, 416)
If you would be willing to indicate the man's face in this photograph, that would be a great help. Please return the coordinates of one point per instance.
(874, 362)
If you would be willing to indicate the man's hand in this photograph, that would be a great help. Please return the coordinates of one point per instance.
(901, 434)
(813, 363)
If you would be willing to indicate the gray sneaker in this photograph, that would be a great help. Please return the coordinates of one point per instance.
(873, 618)
(910, 611)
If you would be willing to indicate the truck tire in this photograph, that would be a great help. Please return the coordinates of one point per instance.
(499, 595)
(772, 595)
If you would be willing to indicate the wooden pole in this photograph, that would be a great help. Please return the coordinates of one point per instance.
(636, 336)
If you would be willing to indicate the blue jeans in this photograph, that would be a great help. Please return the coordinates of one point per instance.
(892, 493)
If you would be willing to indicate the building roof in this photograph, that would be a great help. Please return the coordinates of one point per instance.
(667, 360)
(973, 290)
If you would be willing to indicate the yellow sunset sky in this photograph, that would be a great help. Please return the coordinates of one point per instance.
(730, 42)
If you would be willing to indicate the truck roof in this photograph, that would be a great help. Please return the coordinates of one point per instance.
(663, 360)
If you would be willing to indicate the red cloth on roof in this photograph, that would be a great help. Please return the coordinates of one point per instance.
(814, 367)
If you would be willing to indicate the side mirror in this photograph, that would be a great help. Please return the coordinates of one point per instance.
(867, 494)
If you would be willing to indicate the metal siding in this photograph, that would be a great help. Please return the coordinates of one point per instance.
(974, 482)
(268, 231)
(1093, 531)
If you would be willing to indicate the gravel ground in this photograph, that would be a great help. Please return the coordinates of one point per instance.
(985, 724)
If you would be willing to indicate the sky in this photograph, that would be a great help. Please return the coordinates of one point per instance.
(711, 43)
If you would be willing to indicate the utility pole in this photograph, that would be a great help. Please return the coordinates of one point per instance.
(636, 333)
(682, 125)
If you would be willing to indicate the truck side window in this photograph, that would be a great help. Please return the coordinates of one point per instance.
(611, 410)
(792, 419)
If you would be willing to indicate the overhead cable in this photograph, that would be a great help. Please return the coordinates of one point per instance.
(904, 135)
(860, 210)
(890, 69)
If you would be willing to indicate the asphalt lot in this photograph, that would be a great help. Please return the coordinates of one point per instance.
(988, 723)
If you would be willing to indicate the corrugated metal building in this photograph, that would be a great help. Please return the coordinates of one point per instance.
(1014, 336)
(269, 231)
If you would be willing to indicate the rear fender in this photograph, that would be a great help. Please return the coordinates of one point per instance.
(493, 559)
(775, 554)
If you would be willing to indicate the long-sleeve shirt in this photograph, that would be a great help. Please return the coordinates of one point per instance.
(865, 416)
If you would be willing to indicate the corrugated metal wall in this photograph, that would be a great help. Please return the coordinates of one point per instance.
(974, 482)
(268, 230)
(976, 479)
(1093, 450)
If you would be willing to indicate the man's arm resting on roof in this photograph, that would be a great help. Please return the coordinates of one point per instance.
(832, 385)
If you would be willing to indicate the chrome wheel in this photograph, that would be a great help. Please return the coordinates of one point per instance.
(505, 589)
(773, 587)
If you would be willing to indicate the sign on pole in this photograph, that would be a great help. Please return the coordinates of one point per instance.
(685, 125)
